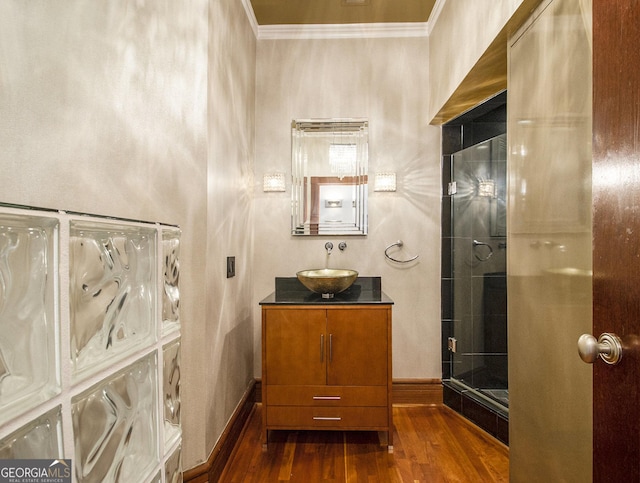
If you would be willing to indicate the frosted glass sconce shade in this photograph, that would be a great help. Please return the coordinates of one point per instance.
(273, 182)
(385, 182)
(333, 203)
(487, 188)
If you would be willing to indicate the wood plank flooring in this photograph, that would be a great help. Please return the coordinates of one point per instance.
(431, 444)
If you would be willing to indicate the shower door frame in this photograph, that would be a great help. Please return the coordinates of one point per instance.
(478, 227)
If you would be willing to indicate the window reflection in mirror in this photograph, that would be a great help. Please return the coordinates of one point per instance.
(329, 160)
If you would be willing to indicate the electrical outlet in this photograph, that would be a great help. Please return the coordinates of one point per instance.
(231, 267)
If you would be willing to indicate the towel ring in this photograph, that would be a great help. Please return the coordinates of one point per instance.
(399, 243)
(489, 254)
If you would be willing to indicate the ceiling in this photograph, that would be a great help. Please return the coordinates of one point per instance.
(316, 12)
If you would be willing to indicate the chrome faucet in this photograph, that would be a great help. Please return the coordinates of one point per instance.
(328, 246)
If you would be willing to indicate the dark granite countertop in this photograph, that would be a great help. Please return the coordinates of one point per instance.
(289, 290)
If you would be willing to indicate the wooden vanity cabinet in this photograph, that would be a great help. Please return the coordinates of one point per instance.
(327, 367)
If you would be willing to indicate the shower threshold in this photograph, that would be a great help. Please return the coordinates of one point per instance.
(499, 395)
(495, 399)
(478, 407)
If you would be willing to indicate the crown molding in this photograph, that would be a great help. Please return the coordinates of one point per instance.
(251, 16)
(435, 13)
(343, 31)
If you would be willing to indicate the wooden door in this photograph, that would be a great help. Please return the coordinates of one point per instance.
(358, 347)
(616, 235)
(295, 344)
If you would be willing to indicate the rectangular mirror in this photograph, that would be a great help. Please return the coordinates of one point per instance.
(329, 159)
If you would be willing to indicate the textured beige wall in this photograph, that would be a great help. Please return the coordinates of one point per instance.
(462, 33)
(386, 81)
(228, 344)
(103, 109)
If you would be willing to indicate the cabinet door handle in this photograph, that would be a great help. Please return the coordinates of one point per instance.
(327, 398)
(330, 347)
(321, 347)
(319, 418)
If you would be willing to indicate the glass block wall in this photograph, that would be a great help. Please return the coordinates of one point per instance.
(90, 344)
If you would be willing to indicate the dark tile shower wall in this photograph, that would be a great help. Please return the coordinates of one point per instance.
(480, 124)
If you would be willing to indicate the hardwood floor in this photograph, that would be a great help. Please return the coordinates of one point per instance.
(431, 444)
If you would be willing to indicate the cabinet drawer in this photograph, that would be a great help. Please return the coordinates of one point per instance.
(326, 395)
(307, 417)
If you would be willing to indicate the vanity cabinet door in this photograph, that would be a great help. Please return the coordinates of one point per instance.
(295, 346)
(358, 346)
(327, 368)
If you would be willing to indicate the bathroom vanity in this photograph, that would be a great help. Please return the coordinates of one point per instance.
(326, 363)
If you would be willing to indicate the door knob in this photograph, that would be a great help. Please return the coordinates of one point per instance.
(607, 346)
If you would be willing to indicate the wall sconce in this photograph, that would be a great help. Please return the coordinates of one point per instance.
(333, 203)
(487, 188)
(273, 182)
(385, 182)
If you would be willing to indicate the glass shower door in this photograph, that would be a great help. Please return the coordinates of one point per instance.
(479, 345)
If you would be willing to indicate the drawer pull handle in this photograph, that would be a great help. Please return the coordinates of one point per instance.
(327, 398)
(320, 418)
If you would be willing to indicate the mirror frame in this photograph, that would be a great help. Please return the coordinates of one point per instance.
(307, 178)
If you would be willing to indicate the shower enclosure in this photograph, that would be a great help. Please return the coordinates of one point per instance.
(477, 344)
